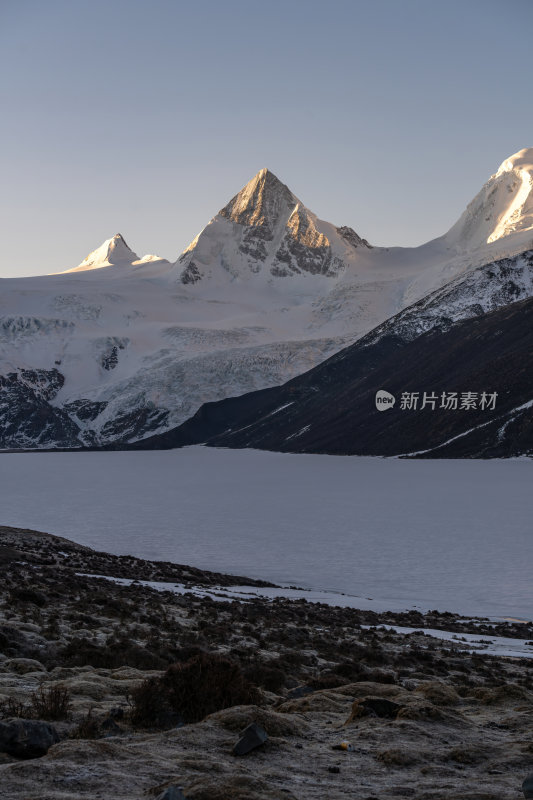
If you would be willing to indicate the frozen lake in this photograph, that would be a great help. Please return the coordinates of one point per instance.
(451, 535)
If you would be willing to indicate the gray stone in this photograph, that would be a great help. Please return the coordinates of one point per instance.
(253, 736)
(26, 738)
(300, 691)
(527, 787)
(110, 727)
(172, 793)
(380, 707)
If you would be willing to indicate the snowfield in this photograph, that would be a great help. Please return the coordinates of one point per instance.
(392, 534)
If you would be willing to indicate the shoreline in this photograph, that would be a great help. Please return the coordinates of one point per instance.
(328, 528)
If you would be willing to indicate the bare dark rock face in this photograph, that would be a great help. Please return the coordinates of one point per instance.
(134, 423)
(191, 274)
(352, 237)
(27, 416)
(332, 409)
(85, 410)
(25, 738)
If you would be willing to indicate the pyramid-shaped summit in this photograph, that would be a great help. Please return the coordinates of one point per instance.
(262, 201)
(266, 230)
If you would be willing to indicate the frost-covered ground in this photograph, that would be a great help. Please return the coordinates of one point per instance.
(449, 535)
(489, 645)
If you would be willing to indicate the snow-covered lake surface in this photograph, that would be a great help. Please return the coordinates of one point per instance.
(395, 534)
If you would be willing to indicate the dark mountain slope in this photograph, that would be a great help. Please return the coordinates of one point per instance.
(331, 408)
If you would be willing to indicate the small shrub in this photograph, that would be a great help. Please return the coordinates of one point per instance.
(270, 678)
(350, 670)
(150, 706)
(191, 690)
(116, 653)
(51, 704)
(14, 708)
(27, 595)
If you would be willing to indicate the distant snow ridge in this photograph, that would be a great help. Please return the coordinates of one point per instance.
(265, 292)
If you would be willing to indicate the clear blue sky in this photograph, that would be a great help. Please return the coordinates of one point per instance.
(144, 118)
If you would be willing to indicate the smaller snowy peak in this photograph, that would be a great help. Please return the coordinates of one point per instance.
(503, 207)
(112, 251)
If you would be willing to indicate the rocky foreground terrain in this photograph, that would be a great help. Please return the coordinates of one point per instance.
(127, 691)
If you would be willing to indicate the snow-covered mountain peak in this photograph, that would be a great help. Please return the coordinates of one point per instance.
(523, 160)
(503, 207)
(266, 230)
(262, 201)
(112, 251)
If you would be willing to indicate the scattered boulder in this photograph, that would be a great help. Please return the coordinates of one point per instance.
(110, 727)
(300, 691)
(527, 787)
(25, 738)
(374, 707)
(253, 736)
